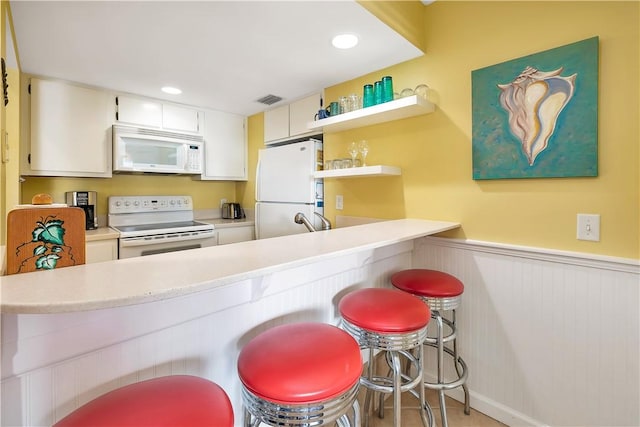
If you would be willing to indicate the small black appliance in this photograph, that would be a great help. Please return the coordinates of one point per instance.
(88, 201)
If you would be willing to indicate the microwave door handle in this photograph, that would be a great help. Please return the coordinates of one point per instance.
(185, 157)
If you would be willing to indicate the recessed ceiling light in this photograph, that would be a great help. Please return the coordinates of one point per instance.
(345, 41)
(171, 90)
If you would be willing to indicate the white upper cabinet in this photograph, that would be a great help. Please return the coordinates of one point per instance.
(69, 131)
(138, 111)
(302, 112)
(276, 124)
(225, 146)
(290, 121)
(150, 113)
(181, 119)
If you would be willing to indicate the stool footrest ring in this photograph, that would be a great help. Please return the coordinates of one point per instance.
(385, 384)
(452, 384)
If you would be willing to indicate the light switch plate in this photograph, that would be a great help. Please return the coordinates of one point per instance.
(339, 202)
(588, 227)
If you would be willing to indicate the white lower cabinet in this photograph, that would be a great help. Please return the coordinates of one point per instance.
(225, 146)
(101, 250)
(235, 234)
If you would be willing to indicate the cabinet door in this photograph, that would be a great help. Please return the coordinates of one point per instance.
(235, 235)
(139, 111)
(276, 124)
(70, 130)
(225, 146)
(101, 250)
(175, 118)
(302, 112)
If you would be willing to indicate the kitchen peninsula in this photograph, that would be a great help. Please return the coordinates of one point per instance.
(74, 333)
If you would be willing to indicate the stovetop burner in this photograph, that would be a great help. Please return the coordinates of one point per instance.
(135, 216)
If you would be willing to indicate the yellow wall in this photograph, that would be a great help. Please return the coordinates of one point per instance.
(434, 151)
(3, 169)
(206, 194)
(10, 133)
(246, 191)
(405, 17)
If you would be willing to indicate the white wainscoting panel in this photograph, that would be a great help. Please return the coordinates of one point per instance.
(550, 338)
(83, 355)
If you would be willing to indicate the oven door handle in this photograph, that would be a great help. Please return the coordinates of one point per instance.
(166, 238)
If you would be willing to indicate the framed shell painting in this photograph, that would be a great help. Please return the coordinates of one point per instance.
(537, 116)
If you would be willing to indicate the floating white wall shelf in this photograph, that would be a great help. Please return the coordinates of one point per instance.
(393, 110)
(363, 171)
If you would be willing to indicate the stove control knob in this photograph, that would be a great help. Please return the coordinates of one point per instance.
(136, 203)
(118, 203)
(127, 203)
(173, 202)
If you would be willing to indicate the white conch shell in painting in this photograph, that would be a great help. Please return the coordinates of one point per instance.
(534, 101)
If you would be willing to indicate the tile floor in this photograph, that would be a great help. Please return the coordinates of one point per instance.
(411, 415)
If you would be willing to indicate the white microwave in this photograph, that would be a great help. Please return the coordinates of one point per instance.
(147, 150)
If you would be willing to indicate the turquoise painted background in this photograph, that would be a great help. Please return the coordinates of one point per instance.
(573, 148)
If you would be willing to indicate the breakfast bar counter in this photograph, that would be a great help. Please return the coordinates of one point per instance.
(71, 334)
(146, 279)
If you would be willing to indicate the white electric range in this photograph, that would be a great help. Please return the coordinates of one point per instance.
(151, 225)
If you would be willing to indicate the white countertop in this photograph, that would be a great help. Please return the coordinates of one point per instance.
(228, 223)
(101, 233)
(158, 277)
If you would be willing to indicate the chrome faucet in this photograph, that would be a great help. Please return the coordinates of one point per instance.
(301, 218)
(326, 224)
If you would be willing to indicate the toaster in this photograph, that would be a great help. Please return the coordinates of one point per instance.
(232, 211)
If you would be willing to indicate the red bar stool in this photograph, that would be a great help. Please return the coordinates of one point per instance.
(177, 400)
(441, 292)
(396, 323)
(301, 374)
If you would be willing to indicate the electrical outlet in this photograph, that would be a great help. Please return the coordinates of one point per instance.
(339, 202)
(589, 227)
(222, 202)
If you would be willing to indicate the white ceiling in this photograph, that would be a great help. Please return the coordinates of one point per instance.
(223, 54)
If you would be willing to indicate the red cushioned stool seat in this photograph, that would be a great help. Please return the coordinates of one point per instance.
(428, 283)
(394, 323)
(441, 292)
(177, 400)
(292, 370)
(384, 310)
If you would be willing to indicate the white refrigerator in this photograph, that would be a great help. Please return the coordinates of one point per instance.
(285, 185)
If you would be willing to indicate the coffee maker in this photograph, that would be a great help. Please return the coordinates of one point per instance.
(88, 201)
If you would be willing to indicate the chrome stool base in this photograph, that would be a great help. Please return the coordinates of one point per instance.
(258, 411)
(440, 292)
(397, 347)
(439, 343)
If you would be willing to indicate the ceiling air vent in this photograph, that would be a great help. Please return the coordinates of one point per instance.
(269, 99)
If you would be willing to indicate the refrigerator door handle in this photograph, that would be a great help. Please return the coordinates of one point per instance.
(258, 180)
(257, 223)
